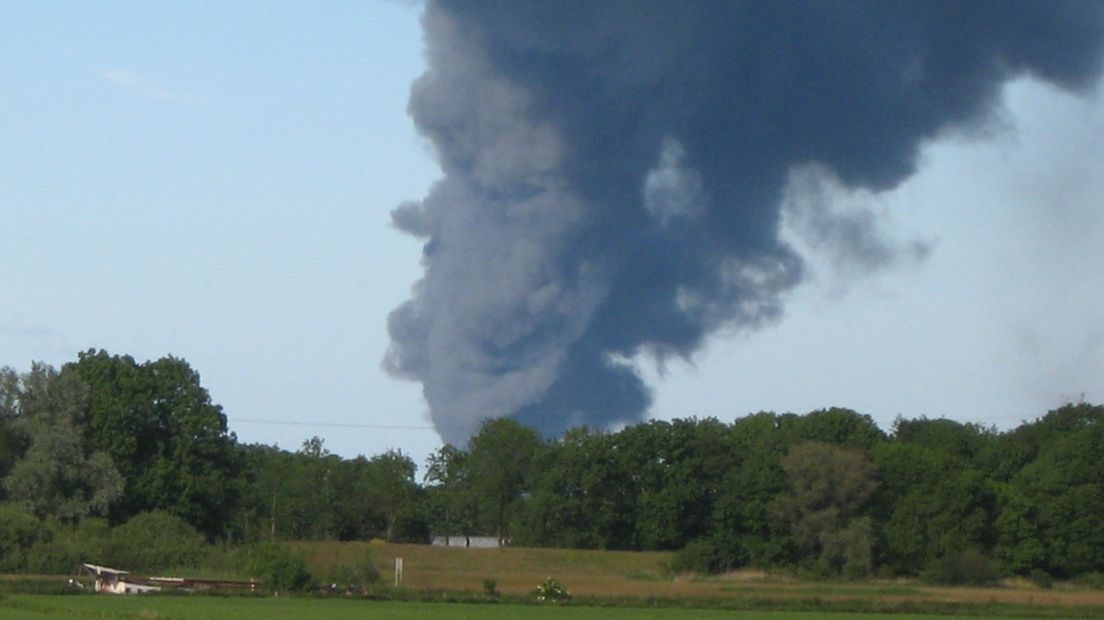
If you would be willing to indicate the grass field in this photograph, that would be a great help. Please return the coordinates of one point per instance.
(40, 607)
(643, 574)
(604, 584)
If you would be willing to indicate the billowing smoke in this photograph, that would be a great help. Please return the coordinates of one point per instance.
(614, 173)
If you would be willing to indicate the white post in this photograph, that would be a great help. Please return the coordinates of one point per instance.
(398, 571)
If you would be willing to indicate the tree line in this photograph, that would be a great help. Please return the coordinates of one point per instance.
(105, 439)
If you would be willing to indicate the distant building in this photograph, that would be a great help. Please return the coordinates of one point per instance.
(472, 542)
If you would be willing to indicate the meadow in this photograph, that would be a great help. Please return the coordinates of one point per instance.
(41, 607)
(442, 582)
(644, 575)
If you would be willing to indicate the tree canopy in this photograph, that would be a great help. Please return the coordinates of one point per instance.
(828, 492)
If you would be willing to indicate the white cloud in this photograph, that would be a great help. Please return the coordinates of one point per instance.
(147, 87)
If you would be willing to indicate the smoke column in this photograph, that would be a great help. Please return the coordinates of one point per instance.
(614, 173)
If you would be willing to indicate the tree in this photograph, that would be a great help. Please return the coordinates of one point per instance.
(12, 443)
(1050, 512)
(454, 507)
(932, 503)
(836, 426)
(58, 475)
(582, 495)
(827, 489)
(500, 457)
(747, 530)
(169, 441)
(378, 498)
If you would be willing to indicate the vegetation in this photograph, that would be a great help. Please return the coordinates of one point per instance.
(183, 608)
(111, 460)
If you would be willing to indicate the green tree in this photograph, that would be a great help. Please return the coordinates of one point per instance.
(827, 491)
(836, 426)
(678, 469)
(379, 498)
(582, 496)
(746, 528)
(170, 442)
(286, 495)
(969, 443)
(453, 505)
(1050, 512)
(12, 443)
(58, 475)
(932, 504)
(500, 458)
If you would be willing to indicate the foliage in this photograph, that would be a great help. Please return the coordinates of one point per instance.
(1042, 578)
(827, 492)
(314, 495)
(156, 540)
(356, 573)
(962, 567)
(169, 441)
(57, 474)
(19, 530)
(705, 555)
(551, 591)
(86, 450)
(278, 568)
(1093, 581)
(500, 459)
(490, 587)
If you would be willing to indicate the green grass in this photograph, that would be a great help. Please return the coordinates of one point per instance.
(40, 607)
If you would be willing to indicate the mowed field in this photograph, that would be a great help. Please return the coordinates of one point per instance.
(40, 607)
(643, 574)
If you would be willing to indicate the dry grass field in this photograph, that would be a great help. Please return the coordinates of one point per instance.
(643, 574)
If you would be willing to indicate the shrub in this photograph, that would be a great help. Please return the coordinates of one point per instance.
(965, 567)
(1042, 578)
(706, 555)
(699, 556)
(356, 574)
(490, 587)
(62, 547)
(552, 591)
(1094, 581)
(19, 531)
(277, 567)
(156, 541)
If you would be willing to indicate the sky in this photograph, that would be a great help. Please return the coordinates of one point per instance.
(216, 184)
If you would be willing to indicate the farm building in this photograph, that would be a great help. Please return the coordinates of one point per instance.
(475, 542)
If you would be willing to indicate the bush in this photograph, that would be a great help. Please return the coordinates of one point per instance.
(552, 591)
(490, 587)
(153, 541)
(706, 555)
(1093, 581)
(966, 567)
(60, 548)
(277, 567)
(356, 574)
(1042, 578)
(19, 531)
(699, 556)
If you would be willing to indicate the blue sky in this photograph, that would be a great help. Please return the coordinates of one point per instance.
(214, 182)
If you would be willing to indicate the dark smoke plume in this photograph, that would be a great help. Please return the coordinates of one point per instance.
(614, 172)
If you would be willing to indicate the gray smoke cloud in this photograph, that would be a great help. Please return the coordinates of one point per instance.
(614, 173)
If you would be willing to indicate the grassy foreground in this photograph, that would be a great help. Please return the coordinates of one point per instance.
(438, 581)
(44, 607)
